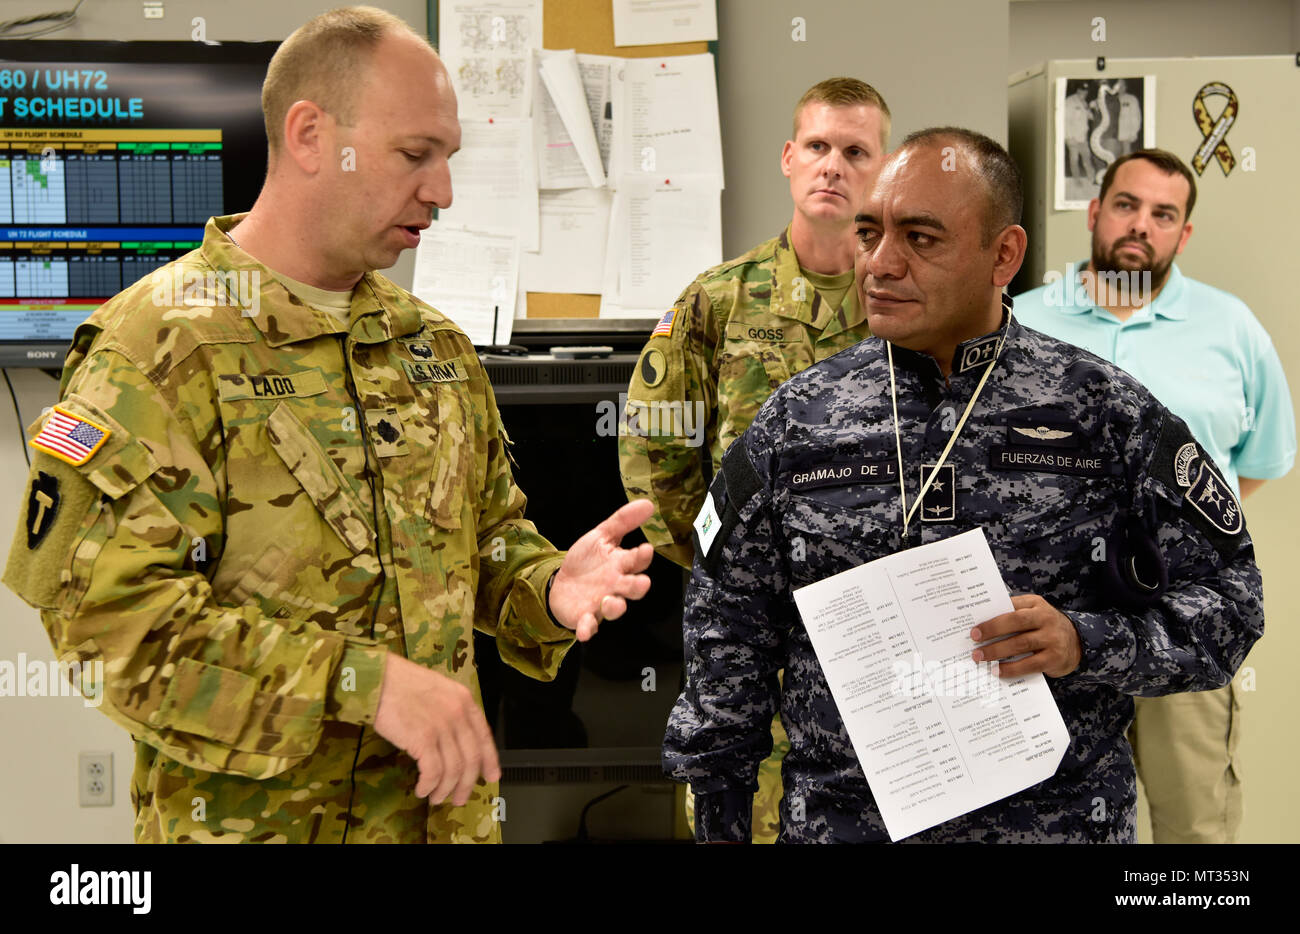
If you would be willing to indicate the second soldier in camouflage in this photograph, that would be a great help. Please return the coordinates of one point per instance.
(744, 327)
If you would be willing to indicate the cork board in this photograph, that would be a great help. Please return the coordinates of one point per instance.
(584, 26)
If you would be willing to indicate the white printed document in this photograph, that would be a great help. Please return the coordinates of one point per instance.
(597, 81)
(659, 22)
(937, 734)
(494, 179)
(662, 234)
(485, 45)
(558, 162)
(666, 118)
(569, 153)
(470, 276)
(575, 227)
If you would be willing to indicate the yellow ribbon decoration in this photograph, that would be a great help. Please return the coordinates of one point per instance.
(1214, 130)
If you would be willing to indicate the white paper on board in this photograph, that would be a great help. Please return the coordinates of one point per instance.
(575, 228)
(494, 179)
(485, 46)
(597, 73)
(663, 233)
(566, 94)
(666, 118)
(558, 163)
(658, 22)
(471, 276)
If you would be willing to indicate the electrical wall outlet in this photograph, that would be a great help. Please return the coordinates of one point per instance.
(153, 9)
(95, 779)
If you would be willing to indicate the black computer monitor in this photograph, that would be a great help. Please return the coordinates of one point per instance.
(600, 723)
(113, 155)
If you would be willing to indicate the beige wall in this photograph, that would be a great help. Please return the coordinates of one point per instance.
(1058, 29)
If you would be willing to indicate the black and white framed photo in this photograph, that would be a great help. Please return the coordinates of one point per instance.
(1097, 121)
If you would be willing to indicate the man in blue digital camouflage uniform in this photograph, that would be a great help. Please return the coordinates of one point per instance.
(1061, 458)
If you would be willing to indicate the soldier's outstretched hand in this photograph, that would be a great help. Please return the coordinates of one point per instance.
(599, 576)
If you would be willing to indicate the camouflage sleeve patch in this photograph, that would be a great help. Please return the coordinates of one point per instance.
(666, 426)
(76, 472)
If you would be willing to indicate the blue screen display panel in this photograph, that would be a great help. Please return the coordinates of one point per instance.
(113, 155)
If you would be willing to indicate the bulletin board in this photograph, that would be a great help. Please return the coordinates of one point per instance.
(584, 26)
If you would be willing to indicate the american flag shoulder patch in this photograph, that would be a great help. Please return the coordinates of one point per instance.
(665, 325)
(70, 437)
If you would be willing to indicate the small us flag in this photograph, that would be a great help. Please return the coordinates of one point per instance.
(665, 325)
(70, 437)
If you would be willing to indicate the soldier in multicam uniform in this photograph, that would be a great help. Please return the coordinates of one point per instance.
(744, 327)
(278, 519)
(1058, 451)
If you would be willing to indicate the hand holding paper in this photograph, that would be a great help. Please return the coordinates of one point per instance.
(936, 734)
(1037, 627)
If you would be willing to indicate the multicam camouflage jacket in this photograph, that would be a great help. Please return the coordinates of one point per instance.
(241, 507)
(736, 333)
(1060, 451)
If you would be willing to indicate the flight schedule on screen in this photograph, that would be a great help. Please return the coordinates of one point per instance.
(112, 158)
(85, 213)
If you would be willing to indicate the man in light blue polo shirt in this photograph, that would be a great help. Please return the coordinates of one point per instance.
(1204, 355)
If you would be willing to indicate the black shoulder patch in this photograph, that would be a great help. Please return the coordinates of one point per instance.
(42, 506)
(1207, 500)
(735, 484)
(742, 478)
(1174, 438)
(654, 367)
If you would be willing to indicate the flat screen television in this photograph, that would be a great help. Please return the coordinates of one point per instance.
(113, 155)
